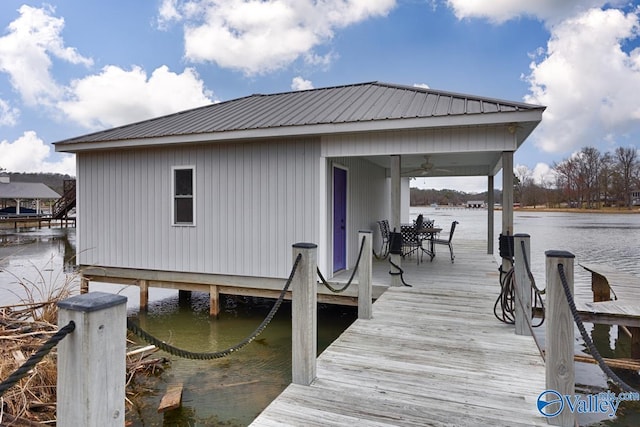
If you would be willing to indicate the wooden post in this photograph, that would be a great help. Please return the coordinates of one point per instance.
(144, 294)
(91, 361)
(600, 287)
(365, 276)
(507, 200)
(490, 214)
(304, 331)
(214, 301)
(560, 370)
(84, 285)
(523, 284)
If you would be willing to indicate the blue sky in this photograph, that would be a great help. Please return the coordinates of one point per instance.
(72, 67)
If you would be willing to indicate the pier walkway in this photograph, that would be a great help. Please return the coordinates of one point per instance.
(433, 354)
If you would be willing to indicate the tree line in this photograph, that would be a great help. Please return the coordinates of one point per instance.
(587, 179)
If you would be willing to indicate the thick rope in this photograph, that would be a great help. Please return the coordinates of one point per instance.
(36, 357)
(400, 273)
(353, 274)
(585, 336)
(506, 299)
(223, 353)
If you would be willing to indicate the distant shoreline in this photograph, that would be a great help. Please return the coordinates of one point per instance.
(623, 211)
(635, 210)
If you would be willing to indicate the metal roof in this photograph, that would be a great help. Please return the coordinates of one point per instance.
(356, 103)
(26, 190)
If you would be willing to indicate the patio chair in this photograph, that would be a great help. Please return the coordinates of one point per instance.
(410, 241)
(447, 242)
(384, 235)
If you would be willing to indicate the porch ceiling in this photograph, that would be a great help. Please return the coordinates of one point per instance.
(445, 164)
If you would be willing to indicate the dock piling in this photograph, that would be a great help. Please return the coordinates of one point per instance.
(560, 369)
(304, 316)
(365, 276)
(91, 361)
(522, 284)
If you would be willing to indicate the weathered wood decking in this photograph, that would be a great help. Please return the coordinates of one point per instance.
(433, 354)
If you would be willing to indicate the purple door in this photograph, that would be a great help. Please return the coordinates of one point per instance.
(339, 219)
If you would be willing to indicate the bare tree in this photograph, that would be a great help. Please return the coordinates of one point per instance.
(627, 171)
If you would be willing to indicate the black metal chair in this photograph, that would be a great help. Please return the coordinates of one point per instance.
(410, 241)
(447, 242)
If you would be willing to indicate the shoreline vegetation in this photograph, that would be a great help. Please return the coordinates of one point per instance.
(624, 210)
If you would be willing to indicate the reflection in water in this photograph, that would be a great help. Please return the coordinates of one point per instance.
(37, 257)
(235, 389)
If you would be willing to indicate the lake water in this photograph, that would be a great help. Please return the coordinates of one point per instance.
(233, 390)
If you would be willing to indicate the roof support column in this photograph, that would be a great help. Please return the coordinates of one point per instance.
(490, 211)
(18, 206)
(394, 222)
(507, 200)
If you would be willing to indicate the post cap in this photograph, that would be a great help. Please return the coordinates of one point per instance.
(305, 245)
(92, 301)
(558, 254)
(521, 235)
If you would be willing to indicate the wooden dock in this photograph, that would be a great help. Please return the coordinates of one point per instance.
(35, 221)
(433, 354)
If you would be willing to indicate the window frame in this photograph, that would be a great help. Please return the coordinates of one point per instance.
(175, 197)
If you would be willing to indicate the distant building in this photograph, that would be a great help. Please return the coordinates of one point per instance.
(15, 195)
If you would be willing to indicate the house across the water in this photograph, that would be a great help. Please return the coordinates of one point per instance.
(218, 195)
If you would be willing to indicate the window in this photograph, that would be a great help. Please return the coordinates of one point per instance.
(183, 195)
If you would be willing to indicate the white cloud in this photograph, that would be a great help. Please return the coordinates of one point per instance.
(29, 153)
(8, 114)
(116, 96)
(587, 80)
(167, 13)
(298, 83)
(25, 54)
(550, 11)
(421, 85)
(544, 175)
(262, 36)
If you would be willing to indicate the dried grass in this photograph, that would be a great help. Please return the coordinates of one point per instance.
(24, 327)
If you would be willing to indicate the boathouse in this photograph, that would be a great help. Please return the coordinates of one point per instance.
(217, 195)
(13, 196)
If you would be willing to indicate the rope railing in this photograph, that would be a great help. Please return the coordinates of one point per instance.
(222, 353)
(585, 336)
(36, 357)
(353, 274)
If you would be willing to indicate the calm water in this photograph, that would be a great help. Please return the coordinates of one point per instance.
(233, 390)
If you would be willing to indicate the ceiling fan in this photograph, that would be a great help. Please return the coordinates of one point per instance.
(424, 169)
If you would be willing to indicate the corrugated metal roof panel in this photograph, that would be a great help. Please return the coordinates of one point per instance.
(340, 104)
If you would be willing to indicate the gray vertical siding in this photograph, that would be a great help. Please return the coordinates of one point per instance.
(467, 139)
(253, 201)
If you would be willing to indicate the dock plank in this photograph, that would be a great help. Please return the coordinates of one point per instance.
(433, 354)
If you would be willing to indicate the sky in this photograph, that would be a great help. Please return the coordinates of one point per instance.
(68, 68)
